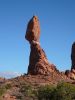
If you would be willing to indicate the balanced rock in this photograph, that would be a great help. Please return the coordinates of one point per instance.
(33, 30)
(38, 63)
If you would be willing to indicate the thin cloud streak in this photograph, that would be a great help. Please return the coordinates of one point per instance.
(9, 74)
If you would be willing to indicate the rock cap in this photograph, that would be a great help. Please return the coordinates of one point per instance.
(33, 30)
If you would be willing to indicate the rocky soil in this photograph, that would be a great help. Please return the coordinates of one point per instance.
(16, 88)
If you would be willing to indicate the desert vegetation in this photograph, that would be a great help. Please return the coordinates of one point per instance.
(62, 91)
(4, 88)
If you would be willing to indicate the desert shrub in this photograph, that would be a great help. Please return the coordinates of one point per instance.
(2, 90)
(45, 92)
(26, 89)
(8, 86)
(63, 91)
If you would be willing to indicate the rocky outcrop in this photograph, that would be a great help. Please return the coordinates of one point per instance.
(38, 63)
(71, 73)
(73, 56)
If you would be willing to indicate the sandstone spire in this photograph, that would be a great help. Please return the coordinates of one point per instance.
(71, 73)
(73, 56)
(38, 63)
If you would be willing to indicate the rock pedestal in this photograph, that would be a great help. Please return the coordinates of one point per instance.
(38, 63)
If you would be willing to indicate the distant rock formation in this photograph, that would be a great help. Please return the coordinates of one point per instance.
(71, 73)
(73, 56)
(38, 63)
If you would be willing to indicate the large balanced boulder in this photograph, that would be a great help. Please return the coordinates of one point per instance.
(38, 63)
(33, 30)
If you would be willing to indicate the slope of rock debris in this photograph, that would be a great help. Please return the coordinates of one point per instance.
(15, 87)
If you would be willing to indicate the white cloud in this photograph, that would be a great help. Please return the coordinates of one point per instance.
(9, 74)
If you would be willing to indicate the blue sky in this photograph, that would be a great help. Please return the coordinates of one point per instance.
(57, 21)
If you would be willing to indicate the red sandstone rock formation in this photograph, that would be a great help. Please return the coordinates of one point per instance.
(33, 30)
(38, 63)
(71, 73)
(73, 56)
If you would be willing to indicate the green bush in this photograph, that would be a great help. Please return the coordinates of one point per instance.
(8, 86)
(63, 91)
(45, 92)
(26, 90)
(4, 88)
(2, 91)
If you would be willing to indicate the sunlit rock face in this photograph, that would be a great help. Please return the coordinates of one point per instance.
(38, 63)
(33, 30)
